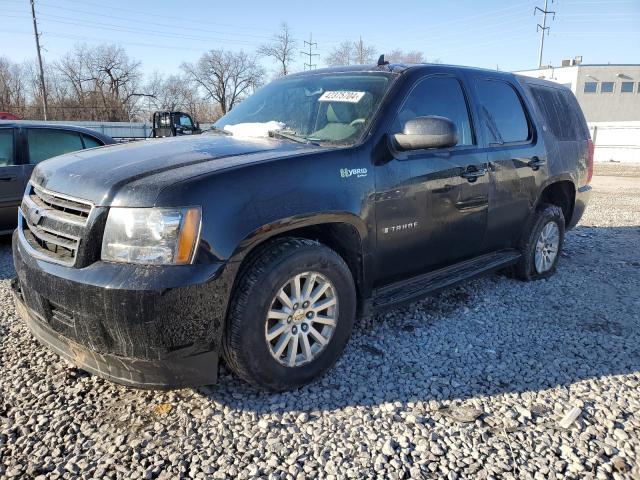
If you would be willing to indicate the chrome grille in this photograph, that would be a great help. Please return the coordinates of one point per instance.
(53, 224)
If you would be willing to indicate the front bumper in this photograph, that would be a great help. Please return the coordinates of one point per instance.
(147, 327)
(582, 198)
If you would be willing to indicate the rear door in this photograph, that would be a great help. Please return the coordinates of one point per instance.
(431, 205)
(45, 143)
(11, 180)
(516, 155)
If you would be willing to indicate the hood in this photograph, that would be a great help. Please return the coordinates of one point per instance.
(134, 173)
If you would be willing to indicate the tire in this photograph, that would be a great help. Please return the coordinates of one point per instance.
(527, 269)
(246, 349)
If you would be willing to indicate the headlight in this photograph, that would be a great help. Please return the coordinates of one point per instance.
(151, 236)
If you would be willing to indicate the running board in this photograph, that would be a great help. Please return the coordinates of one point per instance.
(416, 287)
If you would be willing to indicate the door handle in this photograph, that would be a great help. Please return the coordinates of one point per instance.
(7, 178)
(472, 173)
(535, 163)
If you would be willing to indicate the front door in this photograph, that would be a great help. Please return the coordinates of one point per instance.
(11, 181)
(431, 205)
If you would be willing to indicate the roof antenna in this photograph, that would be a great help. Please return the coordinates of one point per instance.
(382, 61)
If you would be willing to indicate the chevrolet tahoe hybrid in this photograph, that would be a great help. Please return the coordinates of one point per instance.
(324, 196)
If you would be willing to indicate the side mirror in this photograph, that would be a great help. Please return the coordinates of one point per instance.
(427, 132)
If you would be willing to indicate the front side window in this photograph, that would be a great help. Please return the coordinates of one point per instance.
(441, 96)
(6, 147)
(606, 87)
(44, 143)
(626, 87)
(503, 115)
(333, 108)
(590, 87)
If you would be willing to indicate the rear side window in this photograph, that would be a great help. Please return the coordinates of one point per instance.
(559, 112)
(90, 142)
(503, 115)
(45, 143)
(6, 147)
(438, 95)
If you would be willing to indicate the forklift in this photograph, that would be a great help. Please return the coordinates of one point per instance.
(173, 124)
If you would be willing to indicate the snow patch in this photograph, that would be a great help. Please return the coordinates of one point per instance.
(258, 129)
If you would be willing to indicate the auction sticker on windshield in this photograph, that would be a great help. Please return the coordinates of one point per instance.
(341, 96)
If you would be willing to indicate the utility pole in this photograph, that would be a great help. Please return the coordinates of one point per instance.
(310, 53)
(35, 31)
(542, 28)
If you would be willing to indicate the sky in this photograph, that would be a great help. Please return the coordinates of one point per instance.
(490, 33)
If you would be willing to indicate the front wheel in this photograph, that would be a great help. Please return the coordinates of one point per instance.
(291, 315)
(541, 244)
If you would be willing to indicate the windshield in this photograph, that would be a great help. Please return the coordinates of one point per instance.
(334, 108)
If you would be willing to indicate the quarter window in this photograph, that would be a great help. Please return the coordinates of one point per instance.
(503, 114)
(606, 87)
(590, 87)
(438, 95)
(6, 147)
(45, 143)
(626, 87)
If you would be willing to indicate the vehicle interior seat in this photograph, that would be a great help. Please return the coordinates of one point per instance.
(344, 119)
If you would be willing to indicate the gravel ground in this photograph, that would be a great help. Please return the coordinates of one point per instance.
(471, 383)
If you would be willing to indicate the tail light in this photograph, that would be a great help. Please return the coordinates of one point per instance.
(589, 161)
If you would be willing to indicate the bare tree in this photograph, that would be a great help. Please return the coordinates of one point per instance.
(349, 53)
(281, 49)
(399, 56)
(341, 55)
(96, 83)
(13, 87)
(363, 54)
(225, 77)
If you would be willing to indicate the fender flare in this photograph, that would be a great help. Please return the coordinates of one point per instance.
(278, 227)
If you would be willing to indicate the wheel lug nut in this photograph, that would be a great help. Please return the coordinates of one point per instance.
(294, 330)
(305, 327)
(305, 304)
(309, 314)
(289, 319)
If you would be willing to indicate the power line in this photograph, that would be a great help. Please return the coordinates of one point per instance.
(542, 28)
(35, 32)
(310, 53)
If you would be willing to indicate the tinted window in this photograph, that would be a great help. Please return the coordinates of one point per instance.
(90, 142)
(559, 113)
(590, 87)
(626, 87)
(44, 143)
(504, 118)
(6, 147)
(606, 87)
(441, 96)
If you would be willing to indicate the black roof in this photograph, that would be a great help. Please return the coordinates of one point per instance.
(396, 68)
(57, 126)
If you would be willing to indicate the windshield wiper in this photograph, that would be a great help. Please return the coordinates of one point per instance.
(289, 135)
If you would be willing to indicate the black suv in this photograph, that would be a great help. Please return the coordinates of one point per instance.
(25, 144)
(325, 196)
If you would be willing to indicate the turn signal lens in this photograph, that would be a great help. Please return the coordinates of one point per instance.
(188, 235)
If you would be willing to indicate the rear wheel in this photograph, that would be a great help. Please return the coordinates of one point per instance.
(541, 243)
(291, 316)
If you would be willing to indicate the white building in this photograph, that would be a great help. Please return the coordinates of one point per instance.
(609, 95)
